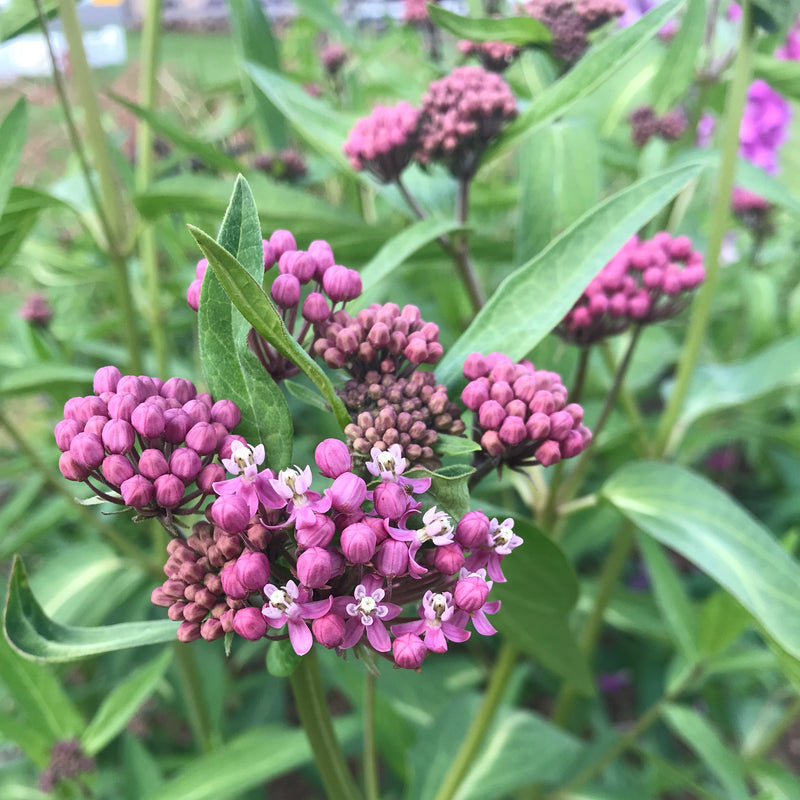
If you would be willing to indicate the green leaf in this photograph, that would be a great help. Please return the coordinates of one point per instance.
(677, 72)
(675, 606)
(257, 44)
(562, 163)
(774, 15)
(782, 75)
(715, 387)
(322, 127)
(769, 187)
(142, 773)
(19, 16)
(123, 702)
(449, 487)
(232, 370)
(282, 660)
(246, 762)
(697, 734)
(33, 634)
(602, 62)
(722, 620)
(12, 135)
(48, 378)
(455, 445)
(692, 516)
(38, 695)
(520, 749)
(209, 153)
(257, 309)
(30, 738)
(514, 30)
(398, 249)
(324, 16)
(305, 395)
(538, 597)
(531, 301)
(776, 779)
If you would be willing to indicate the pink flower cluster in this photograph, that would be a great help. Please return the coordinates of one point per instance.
(416, 11)
(335, 567)
(645, 282)
(146, 443)
(645, 124)
(384, 142)
(765, 126)
(36, 309)
(286, 165)
(307, 289)
(521, 413)
(790, 49)
(494, 56)
(333, 57)
(460, 114)
(570, 22)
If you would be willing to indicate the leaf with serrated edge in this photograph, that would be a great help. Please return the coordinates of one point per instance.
(257, 309)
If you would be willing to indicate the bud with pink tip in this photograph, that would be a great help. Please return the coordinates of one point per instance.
(137, 491)
(231, 513)
(391, 500)
(169, 490)
(231, 584)
(470, 593)
(252, 570)
(250, 623)
(348, 492)
(71, 469)
(409, 651)
(448, 558)
(117, 469)
(548, 453)
(333, 458)
(286, 290)
(87, 450)
(358, 543)
(315, 308)
(185, 463)
(329, 630)
(106, 379)
(314, 567)
(472, 529)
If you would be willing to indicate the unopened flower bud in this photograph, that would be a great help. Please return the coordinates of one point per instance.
(250, 623)
(472, 529)
(333, 458)
(106, 379)
(231, 584)
(319, 534)
(65, 432)
(538, 426)
(328, 630)
(315, 308)
(512, 431)
(561, 423)
(169, 490)
(470, 593)
(118, 436)
(185, 463)
(153, 463)
(391, 500)
(348, 492)
(188, 632)
(117, 469)
(87, 450)
(202, 437)
(71, 469)
(409, 651)
(148, 419)
(252, 570)
(137, 491)
(231, 513)
(286, 290)
(448, 559)
(314, 567)
(548, 453)
(281, 242)
(208, 476)
(341, 283)
(358, 543)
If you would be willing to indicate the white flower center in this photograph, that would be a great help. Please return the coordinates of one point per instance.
(439, 605)
(280, 600)
(367, 605)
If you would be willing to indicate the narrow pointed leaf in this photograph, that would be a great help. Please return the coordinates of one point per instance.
(689, 514)
(125, 700)
(20, 16)
(514, 30)
(258, 310)
(12, 136)
(231, 368)
(33, 634)
(531, 301)
(449, 487)
(602, 62)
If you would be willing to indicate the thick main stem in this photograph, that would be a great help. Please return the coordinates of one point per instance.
(110, 193)
(312, 708)
(370, 763)
(148, 252)
(192, 689)
(719, 224)
(466, 269)
(471, 743)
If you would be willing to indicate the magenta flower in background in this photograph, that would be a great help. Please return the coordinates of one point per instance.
(764, 127)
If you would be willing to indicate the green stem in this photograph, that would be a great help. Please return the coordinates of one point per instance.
(57, 482)
(192, 690)
(110, 193)
(627, 400)
(777, 729)
(148, 252)
(609, 576)
(464, 265)
(620, 745)
(578, 382)
(371, 785)
(720, 215)
(312, 708)
(471, 743)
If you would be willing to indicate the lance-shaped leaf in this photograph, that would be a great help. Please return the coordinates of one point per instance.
(449, 487)
(531, 301)
(514, 30)
(33, 634)
(231, 368)
(256, 307)
(601, 63)
(689, 514)
(12, 136)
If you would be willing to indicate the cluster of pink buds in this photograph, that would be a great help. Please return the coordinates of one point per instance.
(384, 142)
(68, 762)
(521, 414)
(390, 400)
(336, 567)
(752, 210)
(308, 288)
(460, 115)
(333, 57)
(645, 282)
(285, 165)
(645, 124)
(36, 310)
(416, 11)
(570, 22)
(494, 56)
(146, 443)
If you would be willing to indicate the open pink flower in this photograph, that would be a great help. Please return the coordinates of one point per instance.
(249, 484)
(291, 490)
(438, 623)
(389, 465)
(289, 606)
(500, 541)
(367, 611)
